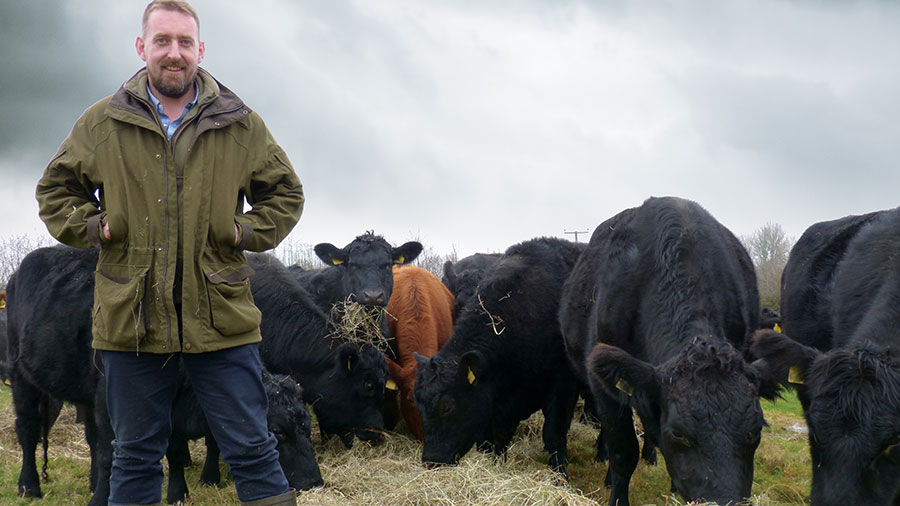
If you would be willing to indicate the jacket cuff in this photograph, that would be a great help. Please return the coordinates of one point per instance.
(94, 231)
(246, 235)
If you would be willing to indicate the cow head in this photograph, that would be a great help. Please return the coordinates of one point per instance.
(351, 397)
(454, 404)
(289, 420)
(365, 265)
(701, 408)
(851, 401)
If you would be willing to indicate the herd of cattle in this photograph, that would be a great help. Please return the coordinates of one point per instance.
(657, 315)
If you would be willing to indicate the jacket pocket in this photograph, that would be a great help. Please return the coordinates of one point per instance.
(119, 313)
(231, 307)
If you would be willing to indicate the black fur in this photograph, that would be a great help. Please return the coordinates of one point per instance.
(841, 321)
(511, 344)
(343, 381)
(655, 317)
(462, 277)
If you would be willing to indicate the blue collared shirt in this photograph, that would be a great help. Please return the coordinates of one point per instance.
(169, 125)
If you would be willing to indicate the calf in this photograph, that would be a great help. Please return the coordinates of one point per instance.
(504, 361)
(841, 290)
(420, 320)
(342, 380)
(50, 300)
(287, 418)
(463, 276)
(655, 315)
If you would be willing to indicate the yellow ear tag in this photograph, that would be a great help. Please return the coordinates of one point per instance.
(625, 387)
(336, 261)
(391, 385)
(777, 328)
(471, 376)
(400, 259)
(795, 375)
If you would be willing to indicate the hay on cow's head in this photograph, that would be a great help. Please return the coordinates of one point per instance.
(357, 323)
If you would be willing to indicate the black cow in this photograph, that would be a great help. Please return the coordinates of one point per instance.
(50, 298)
(358, 272)
(287, 418)
(655, 315)
(504, 361)
(841, 309)
(462, 277)
(343, 381)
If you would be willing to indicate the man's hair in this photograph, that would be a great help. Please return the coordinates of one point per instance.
(171, 5)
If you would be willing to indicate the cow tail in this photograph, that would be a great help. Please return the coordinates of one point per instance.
(45, 433)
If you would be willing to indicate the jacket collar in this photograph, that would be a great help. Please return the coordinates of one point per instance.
(130, 103)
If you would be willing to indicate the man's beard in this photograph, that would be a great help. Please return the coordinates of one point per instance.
(172, 88)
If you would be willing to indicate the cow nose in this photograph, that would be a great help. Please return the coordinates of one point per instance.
(373, 297)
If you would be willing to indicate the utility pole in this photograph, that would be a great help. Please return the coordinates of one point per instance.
(576, 232)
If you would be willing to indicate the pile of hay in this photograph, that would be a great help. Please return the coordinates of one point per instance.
(392, 473)
(355, 322)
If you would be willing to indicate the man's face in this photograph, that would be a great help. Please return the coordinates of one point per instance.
(172, 48)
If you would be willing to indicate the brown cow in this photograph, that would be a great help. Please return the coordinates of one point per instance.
(420, 318)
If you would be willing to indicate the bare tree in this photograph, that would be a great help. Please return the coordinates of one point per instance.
(769, 247)
(13, 250)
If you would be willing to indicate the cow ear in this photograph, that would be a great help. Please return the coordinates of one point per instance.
(420, 360)
(628, 379)
(347, 359)
(470, 367)
(330, 254)
(781, 361)
(449, 275)
(406, 253)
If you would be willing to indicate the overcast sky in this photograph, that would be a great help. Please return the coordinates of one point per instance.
(474, 125)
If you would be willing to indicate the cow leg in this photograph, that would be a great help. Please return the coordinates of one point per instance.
(177, 455)
(97, 424)
(622, 445)
(85, 413)
(27, 401)
(211, 474)
(648, 452)
(558, 415)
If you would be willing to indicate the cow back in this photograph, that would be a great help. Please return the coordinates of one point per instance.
(807, 280)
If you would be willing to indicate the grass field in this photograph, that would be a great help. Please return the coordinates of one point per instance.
(390, 474)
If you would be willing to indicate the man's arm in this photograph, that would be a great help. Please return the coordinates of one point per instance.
(276, 197)
(66, 197)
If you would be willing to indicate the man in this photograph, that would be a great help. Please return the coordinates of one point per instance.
(156, 176)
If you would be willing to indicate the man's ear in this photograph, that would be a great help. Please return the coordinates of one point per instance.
(781, 361)
(406, 253)
(330, 254)
(471, 367)
(629, 380)
(139, 47)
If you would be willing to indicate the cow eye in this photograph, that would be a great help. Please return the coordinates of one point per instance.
(892, 448)
(370, 387)
(446, 407)
(680, 439)
(754, 438)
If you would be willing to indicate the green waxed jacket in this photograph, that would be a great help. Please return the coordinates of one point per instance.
(169, 200)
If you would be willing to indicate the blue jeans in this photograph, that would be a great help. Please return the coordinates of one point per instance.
(140, 389)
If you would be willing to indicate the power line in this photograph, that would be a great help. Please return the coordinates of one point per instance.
(576, 232)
